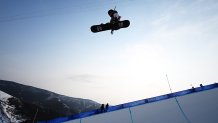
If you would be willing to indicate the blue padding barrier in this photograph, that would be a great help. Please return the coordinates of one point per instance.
(171, 95)
(114, 108)
(132, 104)
(182, 93)
(163, 97)
(57, 120)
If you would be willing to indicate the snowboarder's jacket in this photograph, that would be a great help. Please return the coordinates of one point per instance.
(114, 15)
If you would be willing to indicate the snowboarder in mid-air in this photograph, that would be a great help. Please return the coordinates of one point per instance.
(114, 23)
(114, 17)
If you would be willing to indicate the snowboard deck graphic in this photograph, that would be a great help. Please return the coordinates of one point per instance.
(109, 26)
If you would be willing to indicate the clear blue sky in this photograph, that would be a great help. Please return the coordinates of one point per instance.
(48, 44)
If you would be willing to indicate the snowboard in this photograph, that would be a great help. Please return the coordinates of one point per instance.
(109, 26)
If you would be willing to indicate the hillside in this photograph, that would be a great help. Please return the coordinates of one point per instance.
(27, 100)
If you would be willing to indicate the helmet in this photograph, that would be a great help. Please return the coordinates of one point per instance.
(110, 11)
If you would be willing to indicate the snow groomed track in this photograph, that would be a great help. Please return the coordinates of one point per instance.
(196, 105)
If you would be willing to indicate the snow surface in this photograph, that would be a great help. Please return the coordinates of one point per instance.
(200, 107)
(3, 116)
(6, 111)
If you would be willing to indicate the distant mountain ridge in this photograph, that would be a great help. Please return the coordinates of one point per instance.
(49, 104)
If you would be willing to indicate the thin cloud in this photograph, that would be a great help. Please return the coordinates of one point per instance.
(84, 78)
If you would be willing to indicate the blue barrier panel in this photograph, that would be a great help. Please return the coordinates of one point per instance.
(114, 108)
(182, 93)
(162, 97)
(135, 103)
(171, 95)
(199, 89)
(146, 100)
(57, 120)
(153, 99)
(210, 86)
(81, 115)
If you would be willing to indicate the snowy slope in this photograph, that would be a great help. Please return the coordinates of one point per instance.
(8, 112)
(26, 100)
(3, 116)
